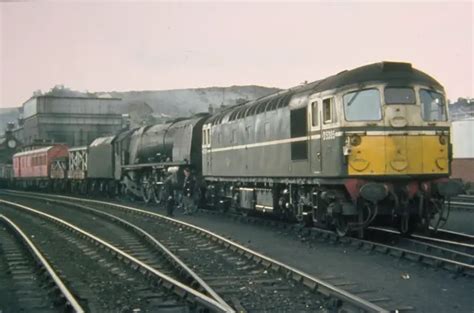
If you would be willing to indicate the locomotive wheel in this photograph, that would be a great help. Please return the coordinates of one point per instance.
(156, 190)
(123, 191)
(147, 192)
(439, 214)
(73, 188)
(83, 188)
(305, 219)
(112, 189)
(92, 187)
(102, 188)
(234, 203)
(408, 224)
(223, 206)
(424, 226)
(342, 226)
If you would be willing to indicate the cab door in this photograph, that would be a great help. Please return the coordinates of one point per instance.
(206, 149)
(299, 134)
(314, 134)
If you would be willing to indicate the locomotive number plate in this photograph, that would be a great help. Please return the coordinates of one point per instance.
(329, 135)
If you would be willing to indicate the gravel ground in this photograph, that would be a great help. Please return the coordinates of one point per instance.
(406, 282)
(102, 283)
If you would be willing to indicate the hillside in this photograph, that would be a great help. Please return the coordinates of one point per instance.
(183, 102)
(164, 103)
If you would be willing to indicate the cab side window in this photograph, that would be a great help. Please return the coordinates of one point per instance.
(329, 114)
(314, 114)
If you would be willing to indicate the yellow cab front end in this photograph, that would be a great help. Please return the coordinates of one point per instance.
(397, 150)
(406, 132)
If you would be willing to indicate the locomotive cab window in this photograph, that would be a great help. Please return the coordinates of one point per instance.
(363, 105)
(314, 113)
(433, 107)
(206, 140)
(329, 114)
(399, 95)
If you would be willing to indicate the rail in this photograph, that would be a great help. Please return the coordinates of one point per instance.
(71, 300)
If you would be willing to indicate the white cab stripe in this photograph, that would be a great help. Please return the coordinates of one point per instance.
(208, 149)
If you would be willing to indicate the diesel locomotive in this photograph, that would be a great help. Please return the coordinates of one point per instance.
(368, 146)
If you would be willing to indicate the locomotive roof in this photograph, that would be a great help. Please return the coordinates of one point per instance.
(390, 72)
(394, 73)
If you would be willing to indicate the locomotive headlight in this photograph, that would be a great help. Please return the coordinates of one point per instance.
(443, 139)
(355, 140)
(346, 150)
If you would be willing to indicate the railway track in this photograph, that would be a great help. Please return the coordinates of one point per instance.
(247, 280)
(452, 258)
(450, 239)
(27, 281)
(449, 235)
(106, 277)
(457, 251)
(421, 252)
(463, 202)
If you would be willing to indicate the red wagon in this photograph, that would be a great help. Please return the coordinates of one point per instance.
(40, 167)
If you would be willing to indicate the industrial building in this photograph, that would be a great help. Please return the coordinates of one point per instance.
(75, 121)
(463, 149)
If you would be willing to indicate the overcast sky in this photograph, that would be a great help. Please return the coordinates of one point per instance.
(106, 46)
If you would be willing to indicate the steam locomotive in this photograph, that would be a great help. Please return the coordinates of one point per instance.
(368, 146)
